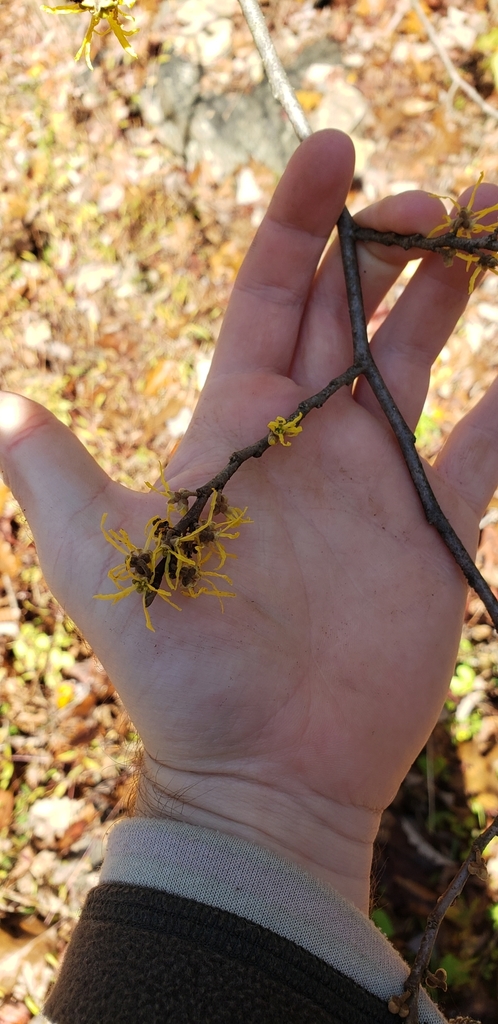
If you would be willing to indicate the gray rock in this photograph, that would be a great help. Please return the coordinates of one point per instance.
(169, 105)
(227, 130)
(230, 130)
(324, 51)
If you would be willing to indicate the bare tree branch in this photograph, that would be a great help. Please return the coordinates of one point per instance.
(473, 865)
(348, 232)
(362, 354)
(442, 244)
(279, 83)
(456, 78)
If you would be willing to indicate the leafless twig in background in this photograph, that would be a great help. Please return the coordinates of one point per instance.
(457, 80)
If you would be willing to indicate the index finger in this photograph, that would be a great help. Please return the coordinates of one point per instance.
(264, 315)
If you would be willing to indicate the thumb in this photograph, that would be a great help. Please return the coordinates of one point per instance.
(57, 483)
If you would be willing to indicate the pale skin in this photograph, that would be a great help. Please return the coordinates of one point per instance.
(291, 719)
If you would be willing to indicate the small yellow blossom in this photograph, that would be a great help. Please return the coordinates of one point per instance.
(465, 224)
(64, 693)
(100, 10)
(280, 427)
(472, 260)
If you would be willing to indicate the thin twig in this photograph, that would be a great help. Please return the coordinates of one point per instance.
(472, 865)
(456, 78)
(402, 8)
(404, 436)
(441, 244)
(279, 83)
(253, 451)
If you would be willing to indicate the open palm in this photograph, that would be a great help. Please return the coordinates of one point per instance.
(292, 717)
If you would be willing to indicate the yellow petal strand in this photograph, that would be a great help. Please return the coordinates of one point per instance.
(436, 195)
(124, 547)
(167, 492)
(473, 279)
(166, 596)
(130, 31)
(119, 574)
(440, 227)
(486, 210)
(470, 203)
(100, 33)
(125, 540)
(120, 35)
(474, 230)
(109, 538)
(115, 597)
(85, 46)
(236, 516)
(489, 227)
(65, 9)
(470, 259)
(148, 622)
(180, 557)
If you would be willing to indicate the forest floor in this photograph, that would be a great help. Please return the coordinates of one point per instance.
(116, 264)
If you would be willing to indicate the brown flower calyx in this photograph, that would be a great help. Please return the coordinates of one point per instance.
(221, 507)
(477, 867)
(399, 1005)
(438, 979)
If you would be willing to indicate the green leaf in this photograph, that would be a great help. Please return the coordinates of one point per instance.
(493, 66)
(428, 430)
(459, 972)
(383, 922)
(463, 680)
(488, 41)
(466, 647)
(463, 731)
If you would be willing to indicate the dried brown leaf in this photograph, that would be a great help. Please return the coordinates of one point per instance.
(6, 807)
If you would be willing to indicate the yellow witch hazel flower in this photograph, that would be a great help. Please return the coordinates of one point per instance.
(187, 555)
(100, 10)
(135, 574)
(280, 428)
(179, 559)
(465, 224)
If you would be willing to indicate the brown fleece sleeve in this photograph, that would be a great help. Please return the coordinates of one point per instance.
(143, 956)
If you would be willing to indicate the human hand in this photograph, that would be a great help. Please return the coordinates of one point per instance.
(292, 718)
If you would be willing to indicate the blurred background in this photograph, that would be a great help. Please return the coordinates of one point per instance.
(128, 198)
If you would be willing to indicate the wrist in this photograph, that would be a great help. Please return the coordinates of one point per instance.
(332, 842)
